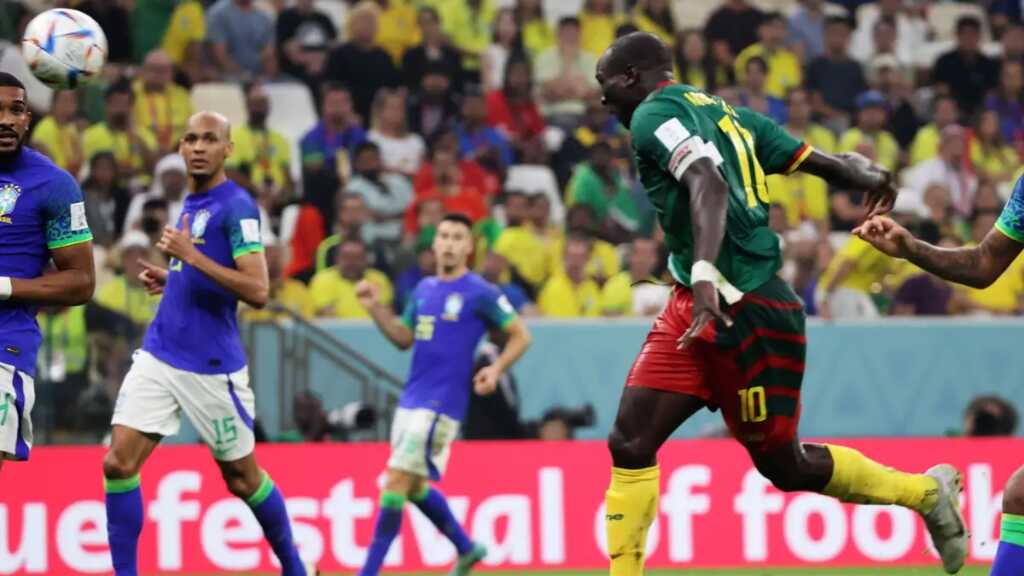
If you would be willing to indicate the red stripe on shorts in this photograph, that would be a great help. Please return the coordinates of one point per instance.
(772, 361)
(778, 304)
(773, 335)
(793, 393)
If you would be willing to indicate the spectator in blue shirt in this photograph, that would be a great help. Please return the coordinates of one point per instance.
(242, 37)
(477, 140)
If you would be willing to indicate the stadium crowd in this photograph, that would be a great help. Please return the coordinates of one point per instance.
(490, 108)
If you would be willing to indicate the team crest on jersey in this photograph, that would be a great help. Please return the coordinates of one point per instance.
(452, 307)
(9, 194)
(199, 220)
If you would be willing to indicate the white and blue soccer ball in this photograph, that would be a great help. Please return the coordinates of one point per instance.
(64, 48)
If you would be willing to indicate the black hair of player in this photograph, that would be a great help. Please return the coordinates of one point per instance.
(458, 218)
(630, 69)
(625, 28)
(8, 80)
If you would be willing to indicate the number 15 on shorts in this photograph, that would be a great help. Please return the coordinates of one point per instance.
(753, 404)
(225, 430)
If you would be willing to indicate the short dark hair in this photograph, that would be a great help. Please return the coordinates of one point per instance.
(460, 218)
(431, 11)
(353, 240)
(568, 21)
(333, 86)
(122, 86)
(625, 28)
(772, 17)
(1003, 422)
(758, 61)
(8, 80)
(837, 21)
(965, 22)
(364, 146)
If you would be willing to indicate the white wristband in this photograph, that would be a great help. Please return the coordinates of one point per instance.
(5, 287)
(704, 271)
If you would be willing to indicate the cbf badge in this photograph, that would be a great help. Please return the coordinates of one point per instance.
(199, 220)
(9, 194)
(452, 307)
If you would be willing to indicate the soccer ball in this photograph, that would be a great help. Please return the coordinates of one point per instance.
(64, 48)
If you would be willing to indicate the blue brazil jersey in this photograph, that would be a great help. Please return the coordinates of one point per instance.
(196, 326)
(448, 318)
(1011, 221)
(41, 209)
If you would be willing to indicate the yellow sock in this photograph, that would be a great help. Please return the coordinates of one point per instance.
(860, 480)
(632, 503)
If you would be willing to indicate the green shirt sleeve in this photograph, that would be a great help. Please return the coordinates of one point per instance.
(64, 213)
(777, 150)
(409, 312)
(668, 135)
(495, 308)
(1011, 220)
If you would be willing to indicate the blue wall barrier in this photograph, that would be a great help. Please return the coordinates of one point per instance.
(887, 378)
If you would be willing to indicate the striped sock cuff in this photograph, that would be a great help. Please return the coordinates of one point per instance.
(392, 500)
(1012, 529)
(261, 493)
(121, 485)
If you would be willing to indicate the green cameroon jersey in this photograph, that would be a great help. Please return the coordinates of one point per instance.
(676, 125)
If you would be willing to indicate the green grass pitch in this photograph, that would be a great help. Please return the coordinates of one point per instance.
(929, 571)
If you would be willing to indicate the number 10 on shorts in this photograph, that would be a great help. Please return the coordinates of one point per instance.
(225, 431)
(753, 404)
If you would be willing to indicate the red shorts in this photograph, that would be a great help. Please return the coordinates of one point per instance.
(752, 370)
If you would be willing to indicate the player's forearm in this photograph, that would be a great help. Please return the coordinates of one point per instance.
(252, 290)
(67, 288)
(518, 341)
(968, 266)
(709, 201)
(394, 330)
(842, 172)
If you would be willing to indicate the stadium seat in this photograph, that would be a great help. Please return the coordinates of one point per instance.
(942, 19)
(336, 11)
(556, 9)
(292, 113)
(221, 97)
(783, 6)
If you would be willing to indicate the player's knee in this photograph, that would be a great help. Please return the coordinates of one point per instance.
(116, 467)
(401, 482)
(629, 452)
(1013, 494)
(241, 481)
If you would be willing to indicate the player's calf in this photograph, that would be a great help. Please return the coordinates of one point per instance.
(1010, 556)
(794, 467)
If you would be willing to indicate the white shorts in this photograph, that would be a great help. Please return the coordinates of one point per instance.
(220, 406)
(421, 442)
(17, 395)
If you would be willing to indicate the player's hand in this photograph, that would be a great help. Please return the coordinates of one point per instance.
(367, 293)
(874, 179)
(705, 311)
(486, 380)
(886, 235)
(153, 277)
(178, 243)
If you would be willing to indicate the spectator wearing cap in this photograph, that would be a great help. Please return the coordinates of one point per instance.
(991, 156)
(262, 155)
(513, 110)
(949, 168)
(655, 17)
(731, 28)
(57, 134)
(784, 68)
(304, 35)
(570, 292)
(965, 73)
(468, 23)
(636, 291)
(433, 52)
(805, 32)
(334, 289)
(106, 201)
(600, 185)
(905, 33)
(387, 195)
(134, 147)
(834, 79)
(926, 142)
(1008, 101)
(169, 184)
(125, 293)
(565, 73)
(598, 21)
(479, 141)
(243, 39)
(752, 94)
(869, 136)
(285, 292)
(361, 63)
(402, 151)
(433, 107)
(160, 104)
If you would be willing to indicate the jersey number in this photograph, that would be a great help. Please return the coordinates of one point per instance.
(225, 430)
(3, 409)
(743, 142)
(753, 404)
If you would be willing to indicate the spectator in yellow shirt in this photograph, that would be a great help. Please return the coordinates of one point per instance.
(124, 293)
(161, 105)
(636, 292)
(349, 223)
(399, 29)
(991, 156)
(1006, 295)
(784, 69)
(183, 40)
(857, 272)
(262, 156)
(537, 33)
(598, 22)
(57, 134)
(925, 145)
(570, 293)
(799, 124)
(521, 245)
(469, 23)
(603, 262)
(284, 292)
(869, 136)
(655, 16)
(334, 289)
(134, 147)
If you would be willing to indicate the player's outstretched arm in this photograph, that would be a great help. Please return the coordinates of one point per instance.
(391, 326)
(977, 266)
(852, 171)
(72, 284)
